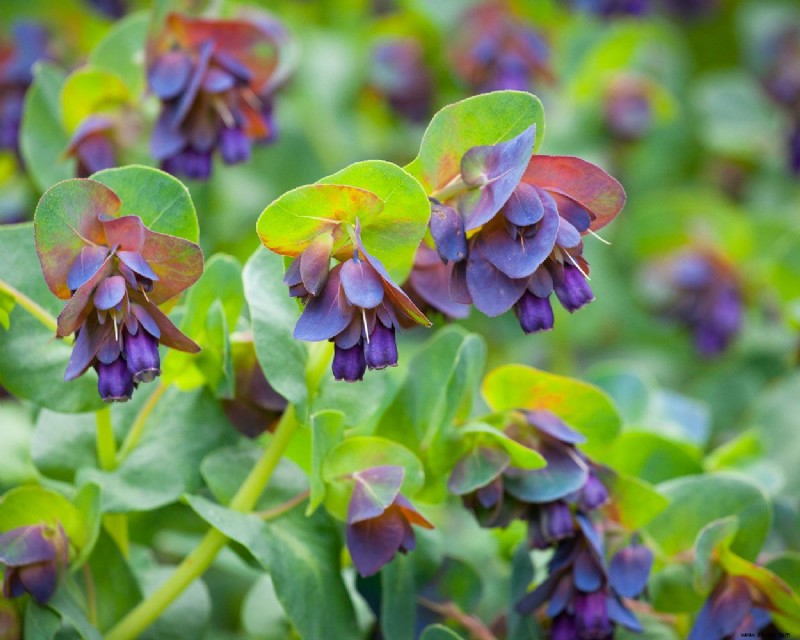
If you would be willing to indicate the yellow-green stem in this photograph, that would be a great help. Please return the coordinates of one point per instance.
(196, 563)
(116, 523)
(32, 307)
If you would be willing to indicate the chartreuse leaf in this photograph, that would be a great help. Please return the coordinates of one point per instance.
(579, 404)
(394, 235)
(711, 540)
(211, 310)
(696, 501)
(787, 567)
(122, 51)
(88, 91)
(519, 455)
(327, 431)
(43, 139)
(273, 315)
(478, 121)
(672, 589)
(33, 362)
(160, 200)
(7, 303)
(302, 555)
(359, 453)
(652, 457)
(439, 632)
(634, 502)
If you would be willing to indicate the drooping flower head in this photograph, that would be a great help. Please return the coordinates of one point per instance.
(34, 559)
(28, 45)
(92, 145)
(513, 228)
(399, 74)
(495, 50)
(114, 271)
(216, 80)
(735, 609)
(379, 519)
(699, 290)
(356, 305)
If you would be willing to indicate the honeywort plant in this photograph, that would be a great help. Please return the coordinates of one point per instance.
(245, 489)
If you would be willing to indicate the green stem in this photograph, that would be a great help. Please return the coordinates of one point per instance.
(137, 428)
(196, 563)
(116, 523)
(32, 307)
(454, 188)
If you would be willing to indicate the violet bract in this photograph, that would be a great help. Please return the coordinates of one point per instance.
(34, 559)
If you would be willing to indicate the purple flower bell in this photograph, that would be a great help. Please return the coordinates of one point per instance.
(34, 559)
(92, 146)
(734, 609)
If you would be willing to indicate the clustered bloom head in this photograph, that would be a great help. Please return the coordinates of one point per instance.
(735, 609)
(216, 80)
(379, 521)
(399, 74)
(497, 51)
(699, 290)
(114, 272)
(34, 558)
(513, 232)
(356, 305)
(17, 58)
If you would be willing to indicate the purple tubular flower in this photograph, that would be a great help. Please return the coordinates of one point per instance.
(381, 350)
(349, 364)
(591, 615)
(189, 162)
(564, 627)
(141, 354)
(534, 313)
(727, 608)
(34, 558)
(593, 494)
(114, 381)
(234, 145)
(573, 291)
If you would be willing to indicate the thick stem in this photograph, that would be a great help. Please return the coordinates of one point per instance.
(32, 307)
(196, 563)
(137, 428)
(116, 523)
(454, 188)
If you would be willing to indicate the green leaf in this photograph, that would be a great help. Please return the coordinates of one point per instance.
(41, 623)
(634, 501)
(88, 91)
(186, 617)
(439, 632)
(289, 224)
(398, 599)
(787, 567)
(273, 315)
(714, 537)
(63, 443)
(652, 457)
(7, 303)
(520, 455)
(696, 501)
(579, 404)
(262, 614)
(65, 604)
(160, 200)
(43, 139)
(362, 452)
(327, 431)
(188, 426)
(33, 362)
(87, 501)
(122, 51)
(302, 555)
(481, 120)
(672, 590)
(521, 627)
(394, 236)
(742, 449)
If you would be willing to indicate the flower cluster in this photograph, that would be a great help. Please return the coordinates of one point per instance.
(356, 305)
(698, 289)
(216, 80)
(736, 608)
(511, 235)
(114, 275)
(399, 74)
(92, 145)
(377, 530)
(29, 45)
(34, 558)
(496, 51)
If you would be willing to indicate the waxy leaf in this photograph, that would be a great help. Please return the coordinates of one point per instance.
(493, 172)
(634, 502)
(289, 224)
(478, 468)
(582, 182)
(520, 456)
(374, 490)
(88, 91)
(121, 51)
(478, 121)
(565, 473)
(577, 403)
(711, 540)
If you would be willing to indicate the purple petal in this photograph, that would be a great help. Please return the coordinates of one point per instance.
(373, 543)
(136, 262)
(622, 616)
(84, 351)
(109, 351)
(568, 236)
(326, 315)
(571, 211)
(315, 263)
(447, 229)
(361, 283)
(492, 291)
(167, 139)
(536, 598)
(86, 265)
(495, 171)
(525, 206)
(349, 363)
(218, 81)
(40, 580)
(585, 572)
(193, 86)
(293, 277)
(591, 536)
(563, 475)
(432, 284)
(458, 289)
(146, 320)
(25, 545)
(374, 490)
(169, 74)
(630, 569)
(541, 282)
(549, 423)
(233, 66)
(562, 595)
(110, 292)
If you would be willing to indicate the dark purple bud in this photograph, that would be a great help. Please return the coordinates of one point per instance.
(564, 628)
(593, 494)
(234, 145)
(573, 291)
(725, 609)
(349, 364)
(558, 518)
(190, 163)
(534, 313)
(381, 349)
(591, 615)
(95, 153)
(447, 229)
(141, 352)
(34, 558)
(114, 381)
